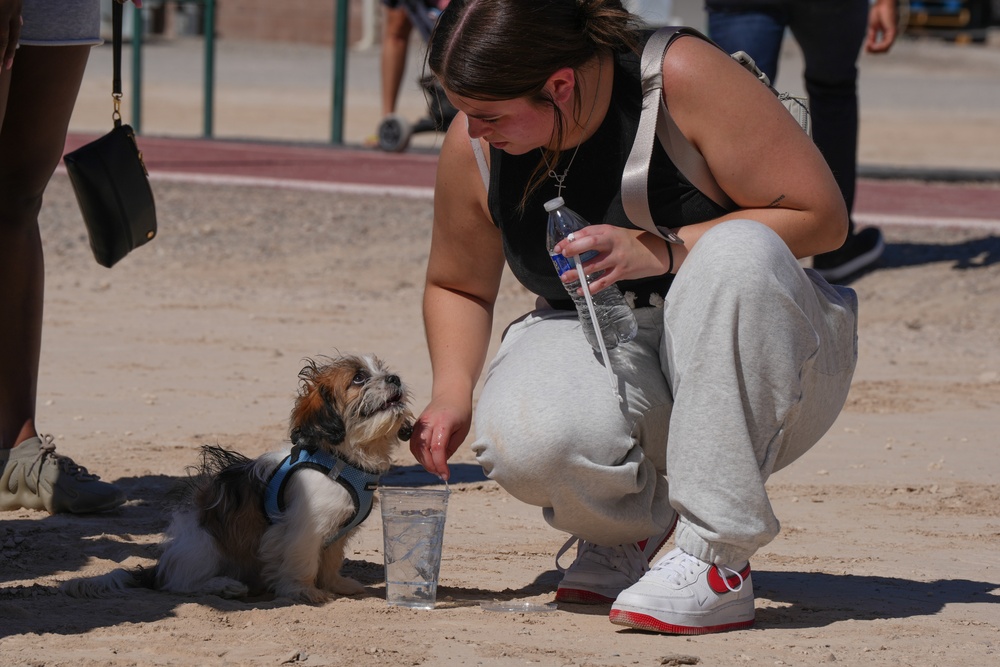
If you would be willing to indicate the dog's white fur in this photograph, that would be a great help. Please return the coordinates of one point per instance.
(219, 541)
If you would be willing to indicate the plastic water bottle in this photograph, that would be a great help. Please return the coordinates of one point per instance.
(616, 320)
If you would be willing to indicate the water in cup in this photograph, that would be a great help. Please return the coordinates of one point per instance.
(413, 531)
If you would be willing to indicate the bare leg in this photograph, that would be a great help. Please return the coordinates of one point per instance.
(395, 42)
(36, 101)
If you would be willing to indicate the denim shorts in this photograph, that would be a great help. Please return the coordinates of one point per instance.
(61, 22)
(397, 4)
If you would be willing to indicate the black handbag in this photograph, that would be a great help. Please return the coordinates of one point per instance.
(110, 180)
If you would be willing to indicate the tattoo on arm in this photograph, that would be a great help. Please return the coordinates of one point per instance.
(776, 202)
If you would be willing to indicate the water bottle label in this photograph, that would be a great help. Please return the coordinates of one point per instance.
(564, 264)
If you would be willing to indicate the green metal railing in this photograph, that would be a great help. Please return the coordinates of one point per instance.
(208, 115)
(339, 72)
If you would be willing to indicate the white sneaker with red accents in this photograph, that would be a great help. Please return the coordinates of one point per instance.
(682, 595)
(599, 573)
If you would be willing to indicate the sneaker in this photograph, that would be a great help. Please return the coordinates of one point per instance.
(860, 251)
(682, 595)
(34, 477)
(599, 573)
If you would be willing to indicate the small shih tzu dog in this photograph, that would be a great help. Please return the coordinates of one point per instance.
(278, 524)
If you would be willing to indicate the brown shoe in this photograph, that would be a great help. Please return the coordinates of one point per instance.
(33, 476)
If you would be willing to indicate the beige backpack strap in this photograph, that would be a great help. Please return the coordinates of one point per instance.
(655, 122)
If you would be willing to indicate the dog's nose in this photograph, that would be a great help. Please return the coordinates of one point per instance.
(393, 379)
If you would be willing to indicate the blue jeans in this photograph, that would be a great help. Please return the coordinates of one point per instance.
(830, 33)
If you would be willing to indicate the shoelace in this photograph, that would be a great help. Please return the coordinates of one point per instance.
(625, 556)
(677, 567)
(682, 566)
(570, 542)
(725, 578)
(47, 449)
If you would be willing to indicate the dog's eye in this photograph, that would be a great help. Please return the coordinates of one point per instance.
(360, 378)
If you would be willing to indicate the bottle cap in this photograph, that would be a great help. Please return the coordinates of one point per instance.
(553, 204)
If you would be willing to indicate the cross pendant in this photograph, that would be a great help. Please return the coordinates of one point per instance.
(559, 184)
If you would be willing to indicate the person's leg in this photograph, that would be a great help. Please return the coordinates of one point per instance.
(396, 28)
(831, 33)
(758, 31)
(551, 432)
(760, 356)
(41, 92)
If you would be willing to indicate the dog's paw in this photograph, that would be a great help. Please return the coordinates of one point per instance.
(225, 587)
(345, 586)
(90, 587)
(306, 594)
(102, 586)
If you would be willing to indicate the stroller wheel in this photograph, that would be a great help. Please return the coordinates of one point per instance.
(394, 133)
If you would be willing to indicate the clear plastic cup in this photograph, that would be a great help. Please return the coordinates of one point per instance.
(413, 534)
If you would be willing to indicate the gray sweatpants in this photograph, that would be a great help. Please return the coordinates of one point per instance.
(744, 368)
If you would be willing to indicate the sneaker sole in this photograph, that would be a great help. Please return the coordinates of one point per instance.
(849, 268)
(631, 619)
(580, 596)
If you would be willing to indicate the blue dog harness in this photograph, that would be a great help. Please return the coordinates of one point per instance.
(359, 484)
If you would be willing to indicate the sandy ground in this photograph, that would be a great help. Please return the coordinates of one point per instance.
(888, 553)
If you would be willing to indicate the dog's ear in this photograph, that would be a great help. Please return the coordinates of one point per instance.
(316, 419)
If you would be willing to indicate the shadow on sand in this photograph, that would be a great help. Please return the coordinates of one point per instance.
(963, 256)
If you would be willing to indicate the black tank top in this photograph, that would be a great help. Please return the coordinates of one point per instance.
(593, 189)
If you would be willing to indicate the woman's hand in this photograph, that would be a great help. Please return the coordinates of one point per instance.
(437, 434)
(623, 254)
(10, 30)
(882, 21)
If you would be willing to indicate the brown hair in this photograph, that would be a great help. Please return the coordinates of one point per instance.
(506, 49)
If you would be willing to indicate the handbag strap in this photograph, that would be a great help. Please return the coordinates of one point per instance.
(116, 69)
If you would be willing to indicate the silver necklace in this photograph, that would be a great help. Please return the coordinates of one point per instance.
(560, 178)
